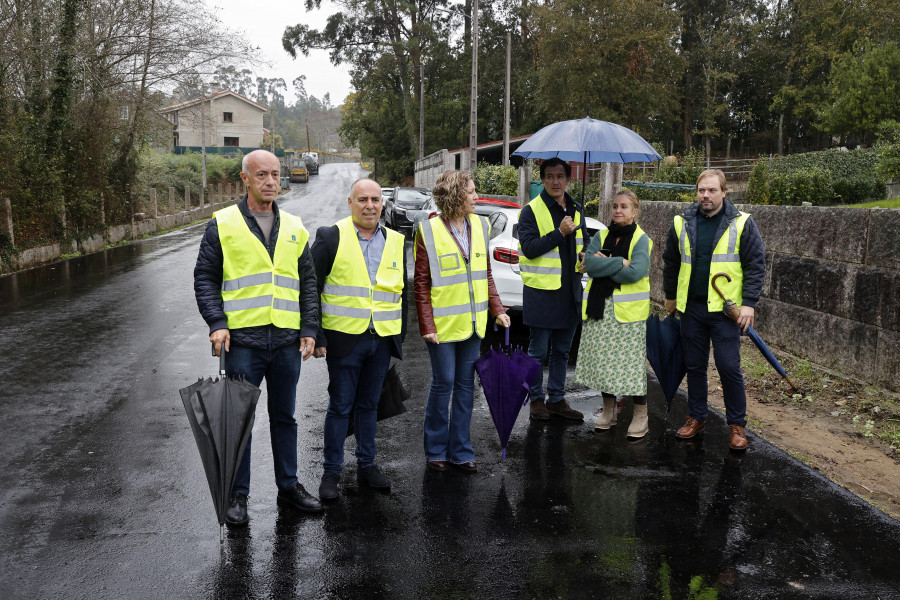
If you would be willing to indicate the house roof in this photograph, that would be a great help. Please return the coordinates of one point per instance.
(221, 94)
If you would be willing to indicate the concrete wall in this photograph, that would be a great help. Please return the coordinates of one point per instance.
(832, 286)
(116, 234)
(429, 168)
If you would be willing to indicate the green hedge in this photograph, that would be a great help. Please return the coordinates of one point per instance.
(162, 171)
(497, 179)
(820, 178)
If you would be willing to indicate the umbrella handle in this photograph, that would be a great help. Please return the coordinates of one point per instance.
(221, 358)
(715, 287)
(506, 335)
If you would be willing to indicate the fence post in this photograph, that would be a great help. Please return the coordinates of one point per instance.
(219, 193)
(6, 219)
(187, 197)
(153, 205)
(172, 208)
(201, 197)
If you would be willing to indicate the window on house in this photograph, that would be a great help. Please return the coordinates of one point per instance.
(232, 141)
(226, 117)
(175, 138)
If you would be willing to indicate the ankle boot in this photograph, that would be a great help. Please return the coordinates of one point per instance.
(639, 422)
(608, 417)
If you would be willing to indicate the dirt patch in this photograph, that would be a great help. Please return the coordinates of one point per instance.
(848, 431)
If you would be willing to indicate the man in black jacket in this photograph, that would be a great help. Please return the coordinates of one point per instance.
(361, 274)
(713, 237)
(255, 286)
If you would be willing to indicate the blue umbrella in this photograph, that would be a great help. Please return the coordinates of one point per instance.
(665, 355)
(506, 380)
(588, 141)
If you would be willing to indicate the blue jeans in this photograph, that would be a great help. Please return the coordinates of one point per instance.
(281, 369)
(452, 374)
(698, 328)
(560, 341)
(354, 380)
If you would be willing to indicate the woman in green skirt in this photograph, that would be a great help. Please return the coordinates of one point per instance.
(615, 308)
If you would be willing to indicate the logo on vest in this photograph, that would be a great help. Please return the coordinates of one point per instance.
(293, 239)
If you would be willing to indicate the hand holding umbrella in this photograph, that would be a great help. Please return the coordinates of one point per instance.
(733, 311)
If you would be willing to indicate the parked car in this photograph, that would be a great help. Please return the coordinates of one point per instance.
(400, 212)
(504, 250)
(484, 207)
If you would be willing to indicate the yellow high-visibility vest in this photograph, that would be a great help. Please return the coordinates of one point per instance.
(459, 289)
(349, 300)
(631, 302)
(726, 258)
(257, 290)
(545, 271)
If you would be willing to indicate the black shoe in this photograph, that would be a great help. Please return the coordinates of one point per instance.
(297, 497)
(236, 515)
(328, 489)
(372, 476)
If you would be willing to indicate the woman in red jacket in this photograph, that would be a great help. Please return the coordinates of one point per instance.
(454, 291)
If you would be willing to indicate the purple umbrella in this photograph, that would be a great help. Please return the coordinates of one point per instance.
(505, 377)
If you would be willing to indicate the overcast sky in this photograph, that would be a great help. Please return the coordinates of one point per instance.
(263, 22)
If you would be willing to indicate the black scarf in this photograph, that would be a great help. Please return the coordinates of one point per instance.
(603, 287)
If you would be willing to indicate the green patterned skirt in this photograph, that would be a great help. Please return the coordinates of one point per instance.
(612, 357)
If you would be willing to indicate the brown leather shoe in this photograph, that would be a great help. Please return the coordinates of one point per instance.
(738, 437)
(468, 467)
(562, 409)
(539, 411)
(437, 465)
(690, 428)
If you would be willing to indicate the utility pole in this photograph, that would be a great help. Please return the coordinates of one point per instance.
(203, 137)
(473, 118)
(506, 101)
(308, 148)
(421, 111)
(272, 133)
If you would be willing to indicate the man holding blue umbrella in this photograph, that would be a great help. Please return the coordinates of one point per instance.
(551, 237)
(713, 232)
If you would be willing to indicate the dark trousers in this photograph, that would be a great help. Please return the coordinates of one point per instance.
(354, 380)
(281, 369)
(699, 327)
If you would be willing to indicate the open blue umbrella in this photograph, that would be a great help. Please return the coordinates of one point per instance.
(588, 141)
(665, 355)
(506, 380)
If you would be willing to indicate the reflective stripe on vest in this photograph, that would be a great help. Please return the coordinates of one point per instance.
(349, 300)
(631, 302)
(545, 271)
(257, 290)
(726, 258)
(459, 289)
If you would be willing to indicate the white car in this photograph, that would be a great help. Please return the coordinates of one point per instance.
(504, 249)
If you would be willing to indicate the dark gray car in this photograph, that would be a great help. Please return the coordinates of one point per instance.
(400, 212)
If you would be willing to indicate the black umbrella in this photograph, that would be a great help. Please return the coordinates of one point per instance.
(390, 404)
(665, 354)
(221, 413)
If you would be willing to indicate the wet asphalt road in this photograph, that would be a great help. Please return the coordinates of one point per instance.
(103, 493)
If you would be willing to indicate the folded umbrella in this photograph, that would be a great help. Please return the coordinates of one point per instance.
(221, 413)
(733, 311)
(506, 378)
(665, 355)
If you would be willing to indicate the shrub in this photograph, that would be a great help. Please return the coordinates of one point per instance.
(496, 179)
(820, 178)
(888, 151)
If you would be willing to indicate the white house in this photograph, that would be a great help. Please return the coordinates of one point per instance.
(231, 120)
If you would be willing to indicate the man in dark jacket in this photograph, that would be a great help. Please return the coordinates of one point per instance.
(256, 289)
(551, 237)
(361, 272)
(713, 237)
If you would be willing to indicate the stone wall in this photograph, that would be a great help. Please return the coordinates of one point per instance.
(832, 286)
(117, 234)
(429, 168)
